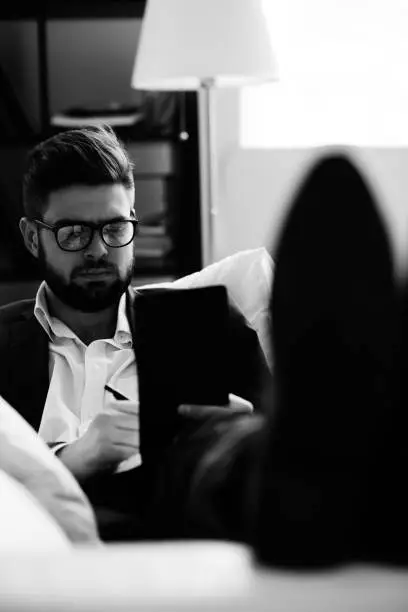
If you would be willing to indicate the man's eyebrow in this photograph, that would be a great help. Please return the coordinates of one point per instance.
(70, 221)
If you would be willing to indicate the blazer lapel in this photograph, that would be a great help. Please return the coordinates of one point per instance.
(28, 373)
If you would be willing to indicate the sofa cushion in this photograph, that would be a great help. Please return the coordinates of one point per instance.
(247, 275)
(190, 577)
(25, 526)
(27, 459)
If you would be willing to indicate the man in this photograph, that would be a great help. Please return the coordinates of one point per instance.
(321, 484)
(61, 350)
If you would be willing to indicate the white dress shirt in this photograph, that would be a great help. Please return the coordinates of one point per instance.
(79, 373)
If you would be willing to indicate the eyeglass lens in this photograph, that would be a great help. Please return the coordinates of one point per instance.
(78, 236)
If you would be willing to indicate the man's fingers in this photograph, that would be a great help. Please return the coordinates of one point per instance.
(129, 440)
(123, 407)
(126, 422)
(201, 412)
(239, 404)
(236, 404)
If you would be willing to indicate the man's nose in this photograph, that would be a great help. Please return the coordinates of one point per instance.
(97, 248)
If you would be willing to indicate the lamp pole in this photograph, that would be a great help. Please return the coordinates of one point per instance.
(208, 166)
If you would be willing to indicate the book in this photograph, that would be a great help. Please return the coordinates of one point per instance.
(114, 115)
(152, 246)
(62, 120)
(145, 229)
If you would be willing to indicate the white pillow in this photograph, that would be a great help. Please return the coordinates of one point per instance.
(27, 459)
(247, 275)
(24, 524)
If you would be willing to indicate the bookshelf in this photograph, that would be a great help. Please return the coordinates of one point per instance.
(156, 174)
(166, 169)
(42, 11)
(72, 9)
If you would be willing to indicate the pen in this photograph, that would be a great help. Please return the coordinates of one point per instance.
(116, 394)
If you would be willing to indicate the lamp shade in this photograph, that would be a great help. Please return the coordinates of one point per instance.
(186, 42)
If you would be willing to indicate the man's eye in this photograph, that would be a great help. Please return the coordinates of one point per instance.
(70, 233)
(115, 229)
(75, 230)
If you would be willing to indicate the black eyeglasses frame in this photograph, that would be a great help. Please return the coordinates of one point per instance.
(95, 227)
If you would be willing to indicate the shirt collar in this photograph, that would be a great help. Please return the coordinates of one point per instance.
(123, 334)
(57, 329)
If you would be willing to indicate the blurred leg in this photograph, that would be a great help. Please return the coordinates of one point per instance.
(332, 316)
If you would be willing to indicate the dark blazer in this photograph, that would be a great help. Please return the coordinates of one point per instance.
(24, 360)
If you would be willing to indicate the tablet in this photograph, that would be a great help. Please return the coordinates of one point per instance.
(181, 350)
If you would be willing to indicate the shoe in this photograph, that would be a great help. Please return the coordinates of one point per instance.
(332, 311)
(388, 499)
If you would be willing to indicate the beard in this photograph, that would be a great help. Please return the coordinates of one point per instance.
(91, 296)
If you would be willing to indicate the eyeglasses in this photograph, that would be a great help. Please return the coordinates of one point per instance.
(78, 236)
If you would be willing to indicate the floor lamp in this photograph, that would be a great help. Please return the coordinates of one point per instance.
(200, 45)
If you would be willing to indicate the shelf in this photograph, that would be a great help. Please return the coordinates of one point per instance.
(59, 9)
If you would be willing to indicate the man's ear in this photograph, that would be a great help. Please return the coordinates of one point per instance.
(29, 232)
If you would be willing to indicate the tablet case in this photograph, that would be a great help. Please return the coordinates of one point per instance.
(181, 349)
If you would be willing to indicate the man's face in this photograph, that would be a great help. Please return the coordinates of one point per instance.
(96, 277)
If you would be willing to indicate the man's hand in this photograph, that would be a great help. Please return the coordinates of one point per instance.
(111, 437)
(236, 405)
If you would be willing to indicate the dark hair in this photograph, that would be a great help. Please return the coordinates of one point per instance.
(87, 156)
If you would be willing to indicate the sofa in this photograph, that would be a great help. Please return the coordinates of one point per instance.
(51, 557)
(191, 577)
